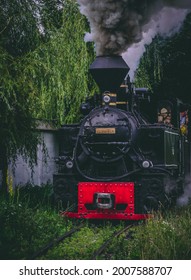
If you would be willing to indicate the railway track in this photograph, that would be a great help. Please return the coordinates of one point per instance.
(53, 243)
(95, 254)
(107, 242)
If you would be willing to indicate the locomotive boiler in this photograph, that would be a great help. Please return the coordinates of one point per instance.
(129, 155)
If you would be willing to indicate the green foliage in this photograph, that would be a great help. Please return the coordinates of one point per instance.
(16, 123)
(28, 224)
(15, 227)
(56, 73)
(51, 15)
(163, 238)
(149, 73)
(26, 24)
(19, 31)
(166, 65)
(35, 196)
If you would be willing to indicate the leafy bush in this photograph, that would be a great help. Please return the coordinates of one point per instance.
(28, 223)
(35, 196)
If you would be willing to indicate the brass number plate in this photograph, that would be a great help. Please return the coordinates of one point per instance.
(106, 130)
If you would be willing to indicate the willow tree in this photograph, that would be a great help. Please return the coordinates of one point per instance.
(19, 34)
(44, 63)
(16, 122)
(166, 65)
(150, 71)
(56, 73)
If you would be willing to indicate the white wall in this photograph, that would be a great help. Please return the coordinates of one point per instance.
(43, 172)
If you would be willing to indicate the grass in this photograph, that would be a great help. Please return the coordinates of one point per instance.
(29, 221)
(165, 237)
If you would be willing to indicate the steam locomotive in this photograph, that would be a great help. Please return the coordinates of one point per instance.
(129, 155)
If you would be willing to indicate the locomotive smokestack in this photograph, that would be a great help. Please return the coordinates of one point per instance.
(109, 72)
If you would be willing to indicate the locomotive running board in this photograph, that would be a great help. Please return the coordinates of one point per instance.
(102, 200)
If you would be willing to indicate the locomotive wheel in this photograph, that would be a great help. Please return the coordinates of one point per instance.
(151, 204)
(151, 196)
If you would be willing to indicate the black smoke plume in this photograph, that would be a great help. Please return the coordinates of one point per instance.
(116, 25)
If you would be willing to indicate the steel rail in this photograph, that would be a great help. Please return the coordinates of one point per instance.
(104, 245)
(53, 243)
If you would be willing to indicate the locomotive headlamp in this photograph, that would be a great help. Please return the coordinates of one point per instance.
(106, 99)
(146, 164)
(69, 164)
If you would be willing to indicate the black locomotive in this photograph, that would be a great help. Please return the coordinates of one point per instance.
(130, 154)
